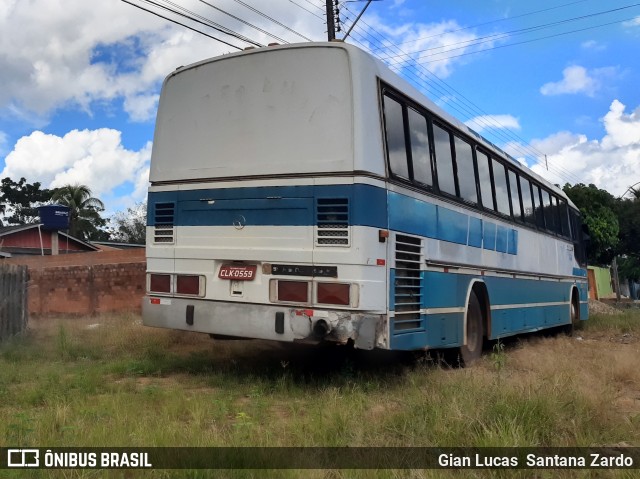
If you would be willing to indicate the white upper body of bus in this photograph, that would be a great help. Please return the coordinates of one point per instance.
(309, 109)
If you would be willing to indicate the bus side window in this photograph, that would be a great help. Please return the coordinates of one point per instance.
(396, 144)
(444, 160)
(564, 218)
(548, 211)
(500, 182)
(537, 205)
(527, 203)
(419, 136)
(515, 196)
(484, 179)
(465, 170)
(579, 246)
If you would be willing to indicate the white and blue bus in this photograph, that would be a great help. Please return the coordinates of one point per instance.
(307, 193)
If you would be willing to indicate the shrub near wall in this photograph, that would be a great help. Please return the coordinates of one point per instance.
(86, 283)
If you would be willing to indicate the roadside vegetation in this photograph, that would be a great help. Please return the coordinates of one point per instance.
(109, 381)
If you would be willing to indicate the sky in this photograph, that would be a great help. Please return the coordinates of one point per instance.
(556, 83)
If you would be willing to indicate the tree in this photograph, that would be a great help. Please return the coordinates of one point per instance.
(130, 226)
(85, 221)
(20, 200)
(634, 190)
(629, 246)
(598, 208)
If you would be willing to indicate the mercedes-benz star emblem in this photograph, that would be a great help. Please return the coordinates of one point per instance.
(239, 222)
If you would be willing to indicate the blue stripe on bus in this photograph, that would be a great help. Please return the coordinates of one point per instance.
(412, 216)
(368, 206)
(440, 331)
(448, 290)
(452, 226)
(580, 272)
(270, 206)
(506, 322)
(408, 341)
(502, 235)
(444, 330)
(475, 232)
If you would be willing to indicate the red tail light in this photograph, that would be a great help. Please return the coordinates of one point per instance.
(160, 283)
(188, 284)
(334, 293)
(293, 291)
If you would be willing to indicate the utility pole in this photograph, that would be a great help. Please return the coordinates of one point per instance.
(616, 278)
(331, 26)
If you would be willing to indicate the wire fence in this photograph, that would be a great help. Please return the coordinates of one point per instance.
(13, 300)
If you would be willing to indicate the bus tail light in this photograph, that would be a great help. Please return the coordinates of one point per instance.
(188, 284)
(334, 293)
(159, 283)
(293, 291)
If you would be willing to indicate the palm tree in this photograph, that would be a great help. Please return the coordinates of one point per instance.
(84, 210)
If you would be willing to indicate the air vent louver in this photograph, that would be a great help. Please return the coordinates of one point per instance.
(332, 222)
(164, 216)
(408, 283)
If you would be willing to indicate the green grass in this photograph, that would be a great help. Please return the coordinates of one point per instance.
(109, 381)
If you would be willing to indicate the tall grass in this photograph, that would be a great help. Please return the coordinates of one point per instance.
(109, 381)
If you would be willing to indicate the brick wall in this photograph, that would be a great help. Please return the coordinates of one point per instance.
(133, 255)
(85, 283)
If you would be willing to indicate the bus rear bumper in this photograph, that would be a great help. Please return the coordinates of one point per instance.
(260, 321)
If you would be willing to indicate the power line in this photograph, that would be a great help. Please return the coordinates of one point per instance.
(465, 107)
(307, 10)
(494, 21)
(264, 15)
(528, 41)
(498, 36)
(245, 22)
(182, 24)
(186, 13)
(497, 129)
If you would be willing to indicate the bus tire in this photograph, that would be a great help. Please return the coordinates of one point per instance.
(472, 349)
(574, 316)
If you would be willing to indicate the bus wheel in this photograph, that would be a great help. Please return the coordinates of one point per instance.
(574, 318)
(575, 313)
(471, 351)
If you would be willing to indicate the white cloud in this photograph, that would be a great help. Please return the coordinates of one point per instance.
(611, 163)
(427, 44)
(484, 122)
(49, 59)
(141, 107)
(575, 79)
(593, 46)
(95, 158)
(3, 142)
(632, 23)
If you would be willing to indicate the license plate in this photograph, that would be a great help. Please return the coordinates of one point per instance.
(237, 272)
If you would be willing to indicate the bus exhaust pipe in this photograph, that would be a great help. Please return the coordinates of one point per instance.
(321, 328)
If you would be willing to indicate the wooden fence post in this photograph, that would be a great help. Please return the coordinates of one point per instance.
(13, 300)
